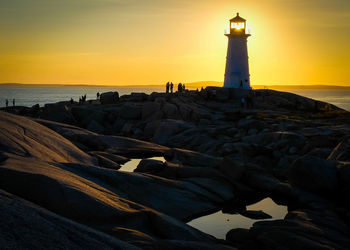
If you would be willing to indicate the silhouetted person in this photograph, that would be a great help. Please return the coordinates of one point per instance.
(7, 103)
(179, 87)
(83, 99)
(183, 87)
(202, 89)
(171, 87)
(71, 101)
(242, 102)
(14, 102)
(98, 95)
(167, 86)
(241, 84)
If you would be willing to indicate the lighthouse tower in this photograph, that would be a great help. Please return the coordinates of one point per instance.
(237, 66)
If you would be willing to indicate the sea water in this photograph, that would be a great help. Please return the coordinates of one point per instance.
(31, 95)
(339, 98)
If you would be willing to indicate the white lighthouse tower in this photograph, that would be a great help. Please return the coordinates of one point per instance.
(237, 66)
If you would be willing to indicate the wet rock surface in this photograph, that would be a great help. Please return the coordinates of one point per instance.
(63, 160)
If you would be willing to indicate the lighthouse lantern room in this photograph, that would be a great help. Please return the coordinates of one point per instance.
(237, 66)
(237, 25)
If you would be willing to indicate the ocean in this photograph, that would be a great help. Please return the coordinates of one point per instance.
(339, 98)
(31, 95)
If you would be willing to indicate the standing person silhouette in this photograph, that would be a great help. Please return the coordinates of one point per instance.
(242, 102)
(167, 87)
(179, 87)
(7, 103)
(171, 87)
(14, 102)
(183, 87)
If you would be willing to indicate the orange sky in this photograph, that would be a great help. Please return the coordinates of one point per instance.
(151, 42)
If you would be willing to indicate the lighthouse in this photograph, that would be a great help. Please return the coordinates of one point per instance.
(237, 66)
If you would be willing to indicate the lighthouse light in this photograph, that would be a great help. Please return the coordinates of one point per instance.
(237, 26)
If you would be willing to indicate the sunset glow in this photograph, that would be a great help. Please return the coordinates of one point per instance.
(114, 42)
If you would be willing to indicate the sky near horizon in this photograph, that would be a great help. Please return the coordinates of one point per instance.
(121, 42)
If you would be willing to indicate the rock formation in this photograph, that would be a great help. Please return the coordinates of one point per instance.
(62, 164)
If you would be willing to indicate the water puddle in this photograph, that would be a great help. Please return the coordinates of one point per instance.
(218, 224)
(131, 165)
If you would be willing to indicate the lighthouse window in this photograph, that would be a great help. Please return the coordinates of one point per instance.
(237, 26)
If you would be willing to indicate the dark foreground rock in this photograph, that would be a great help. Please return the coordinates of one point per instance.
(25, 138)
(218, 155)
(303, 229)
(109, 98)
(25, 225)
(117, 145)
(342, 151)
(314, 174)
(106, 200)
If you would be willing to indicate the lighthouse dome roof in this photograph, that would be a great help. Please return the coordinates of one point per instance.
(237, 19)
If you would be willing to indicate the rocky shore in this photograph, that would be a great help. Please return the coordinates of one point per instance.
(62, 184)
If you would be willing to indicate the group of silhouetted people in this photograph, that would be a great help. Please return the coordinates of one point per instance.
(181, 87)
(169, 87)
(82, 99)
(7, 102)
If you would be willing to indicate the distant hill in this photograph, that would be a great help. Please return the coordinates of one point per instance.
(302, 87)
(194, 85)
(191, 85)
(276, 87)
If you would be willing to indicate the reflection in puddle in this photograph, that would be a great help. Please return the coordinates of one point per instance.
(218, 224)
(131, 165)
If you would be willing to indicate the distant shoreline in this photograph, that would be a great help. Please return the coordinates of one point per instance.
(189, 85)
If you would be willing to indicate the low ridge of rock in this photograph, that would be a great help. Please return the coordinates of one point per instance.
(313, 174)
